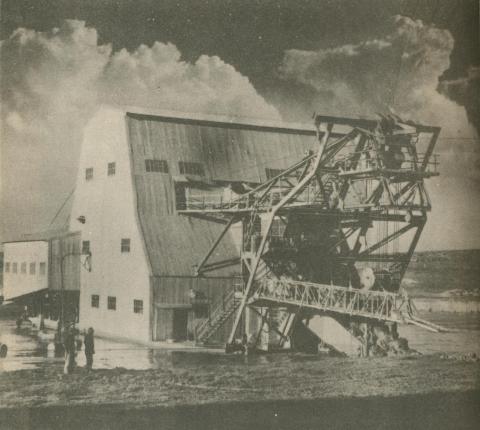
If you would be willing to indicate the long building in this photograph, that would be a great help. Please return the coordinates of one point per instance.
(42, 273)
(137, 170)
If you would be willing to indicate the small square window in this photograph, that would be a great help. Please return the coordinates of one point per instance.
(111, 169)
(89, 174)
(155, 165)
(191, 168)
(14, 267)
(33, 268)
(23, 268)
(85, 247)
(125, 245)
(95, 301)
(138, 306)
(43, 268)
(7, 267)
(112, 303)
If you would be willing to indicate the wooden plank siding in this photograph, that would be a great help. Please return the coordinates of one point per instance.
(173, 292)
(175, 243)
(68, 246)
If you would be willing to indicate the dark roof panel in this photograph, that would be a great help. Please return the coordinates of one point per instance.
(175, 243)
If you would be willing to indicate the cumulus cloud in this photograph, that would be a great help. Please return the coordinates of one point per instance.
(51, 84)
(400, 72)
(156, 77)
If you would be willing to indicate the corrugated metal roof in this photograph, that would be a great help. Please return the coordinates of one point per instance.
(216, 119)
(39, 236)
(175, 243)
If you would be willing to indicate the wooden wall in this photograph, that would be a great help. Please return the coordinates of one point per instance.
(171, 293)
(69, 247)
(175, 243)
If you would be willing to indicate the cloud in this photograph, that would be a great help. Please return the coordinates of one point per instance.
(51, 84)
(401, 71)
(156, 77)
(466, 91)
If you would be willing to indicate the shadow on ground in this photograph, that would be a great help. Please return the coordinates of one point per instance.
(425, 411)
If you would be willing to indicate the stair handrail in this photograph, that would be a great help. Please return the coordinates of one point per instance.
(219, 307)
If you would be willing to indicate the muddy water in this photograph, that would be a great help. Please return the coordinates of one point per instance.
(29, 348)
(463, 338)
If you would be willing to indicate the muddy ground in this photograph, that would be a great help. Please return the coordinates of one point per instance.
(435, 411)
(203, 390)
(210, 383)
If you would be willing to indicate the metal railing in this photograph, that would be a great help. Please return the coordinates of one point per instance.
(370, 160)
(309, 195)
(221, 310)
(378, 305)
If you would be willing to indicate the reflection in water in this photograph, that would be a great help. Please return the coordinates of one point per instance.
(28, 348)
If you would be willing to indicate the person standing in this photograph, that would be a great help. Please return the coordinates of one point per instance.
(89, 348)
(69, 345)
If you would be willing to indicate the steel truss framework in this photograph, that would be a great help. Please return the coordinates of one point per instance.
(380, 305)
(372, 175)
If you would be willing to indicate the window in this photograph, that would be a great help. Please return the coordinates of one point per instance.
(138, 306)
(112, 303)
(271, 173)
(95, 301)
(33, 268)
(7, 267)
(14, 267)
(85, 247)
(23, 267)
(156, 166)
(111, 169)
(125, 245)
(180, 196)
(89, 173)
(43, 268)
(189, 168)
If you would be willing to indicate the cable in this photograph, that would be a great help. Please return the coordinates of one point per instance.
(62, 206)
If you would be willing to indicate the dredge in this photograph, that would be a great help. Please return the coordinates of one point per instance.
(326, 242)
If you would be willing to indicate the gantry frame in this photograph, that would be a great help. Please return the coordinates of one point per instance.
(397, 195)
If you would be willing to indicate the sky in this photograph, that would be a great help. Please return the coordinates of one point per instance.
(279, 60)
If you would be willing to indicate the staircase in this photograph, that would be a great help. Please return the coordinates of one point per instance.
(218, 316)
(262, 270)
(328, 189)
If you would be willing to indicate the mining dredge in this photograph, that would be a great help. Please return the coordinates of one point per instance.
(326, 242)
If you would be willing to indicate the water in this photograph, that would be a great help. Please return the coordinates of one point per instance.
(28, 348)
(463, 339)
